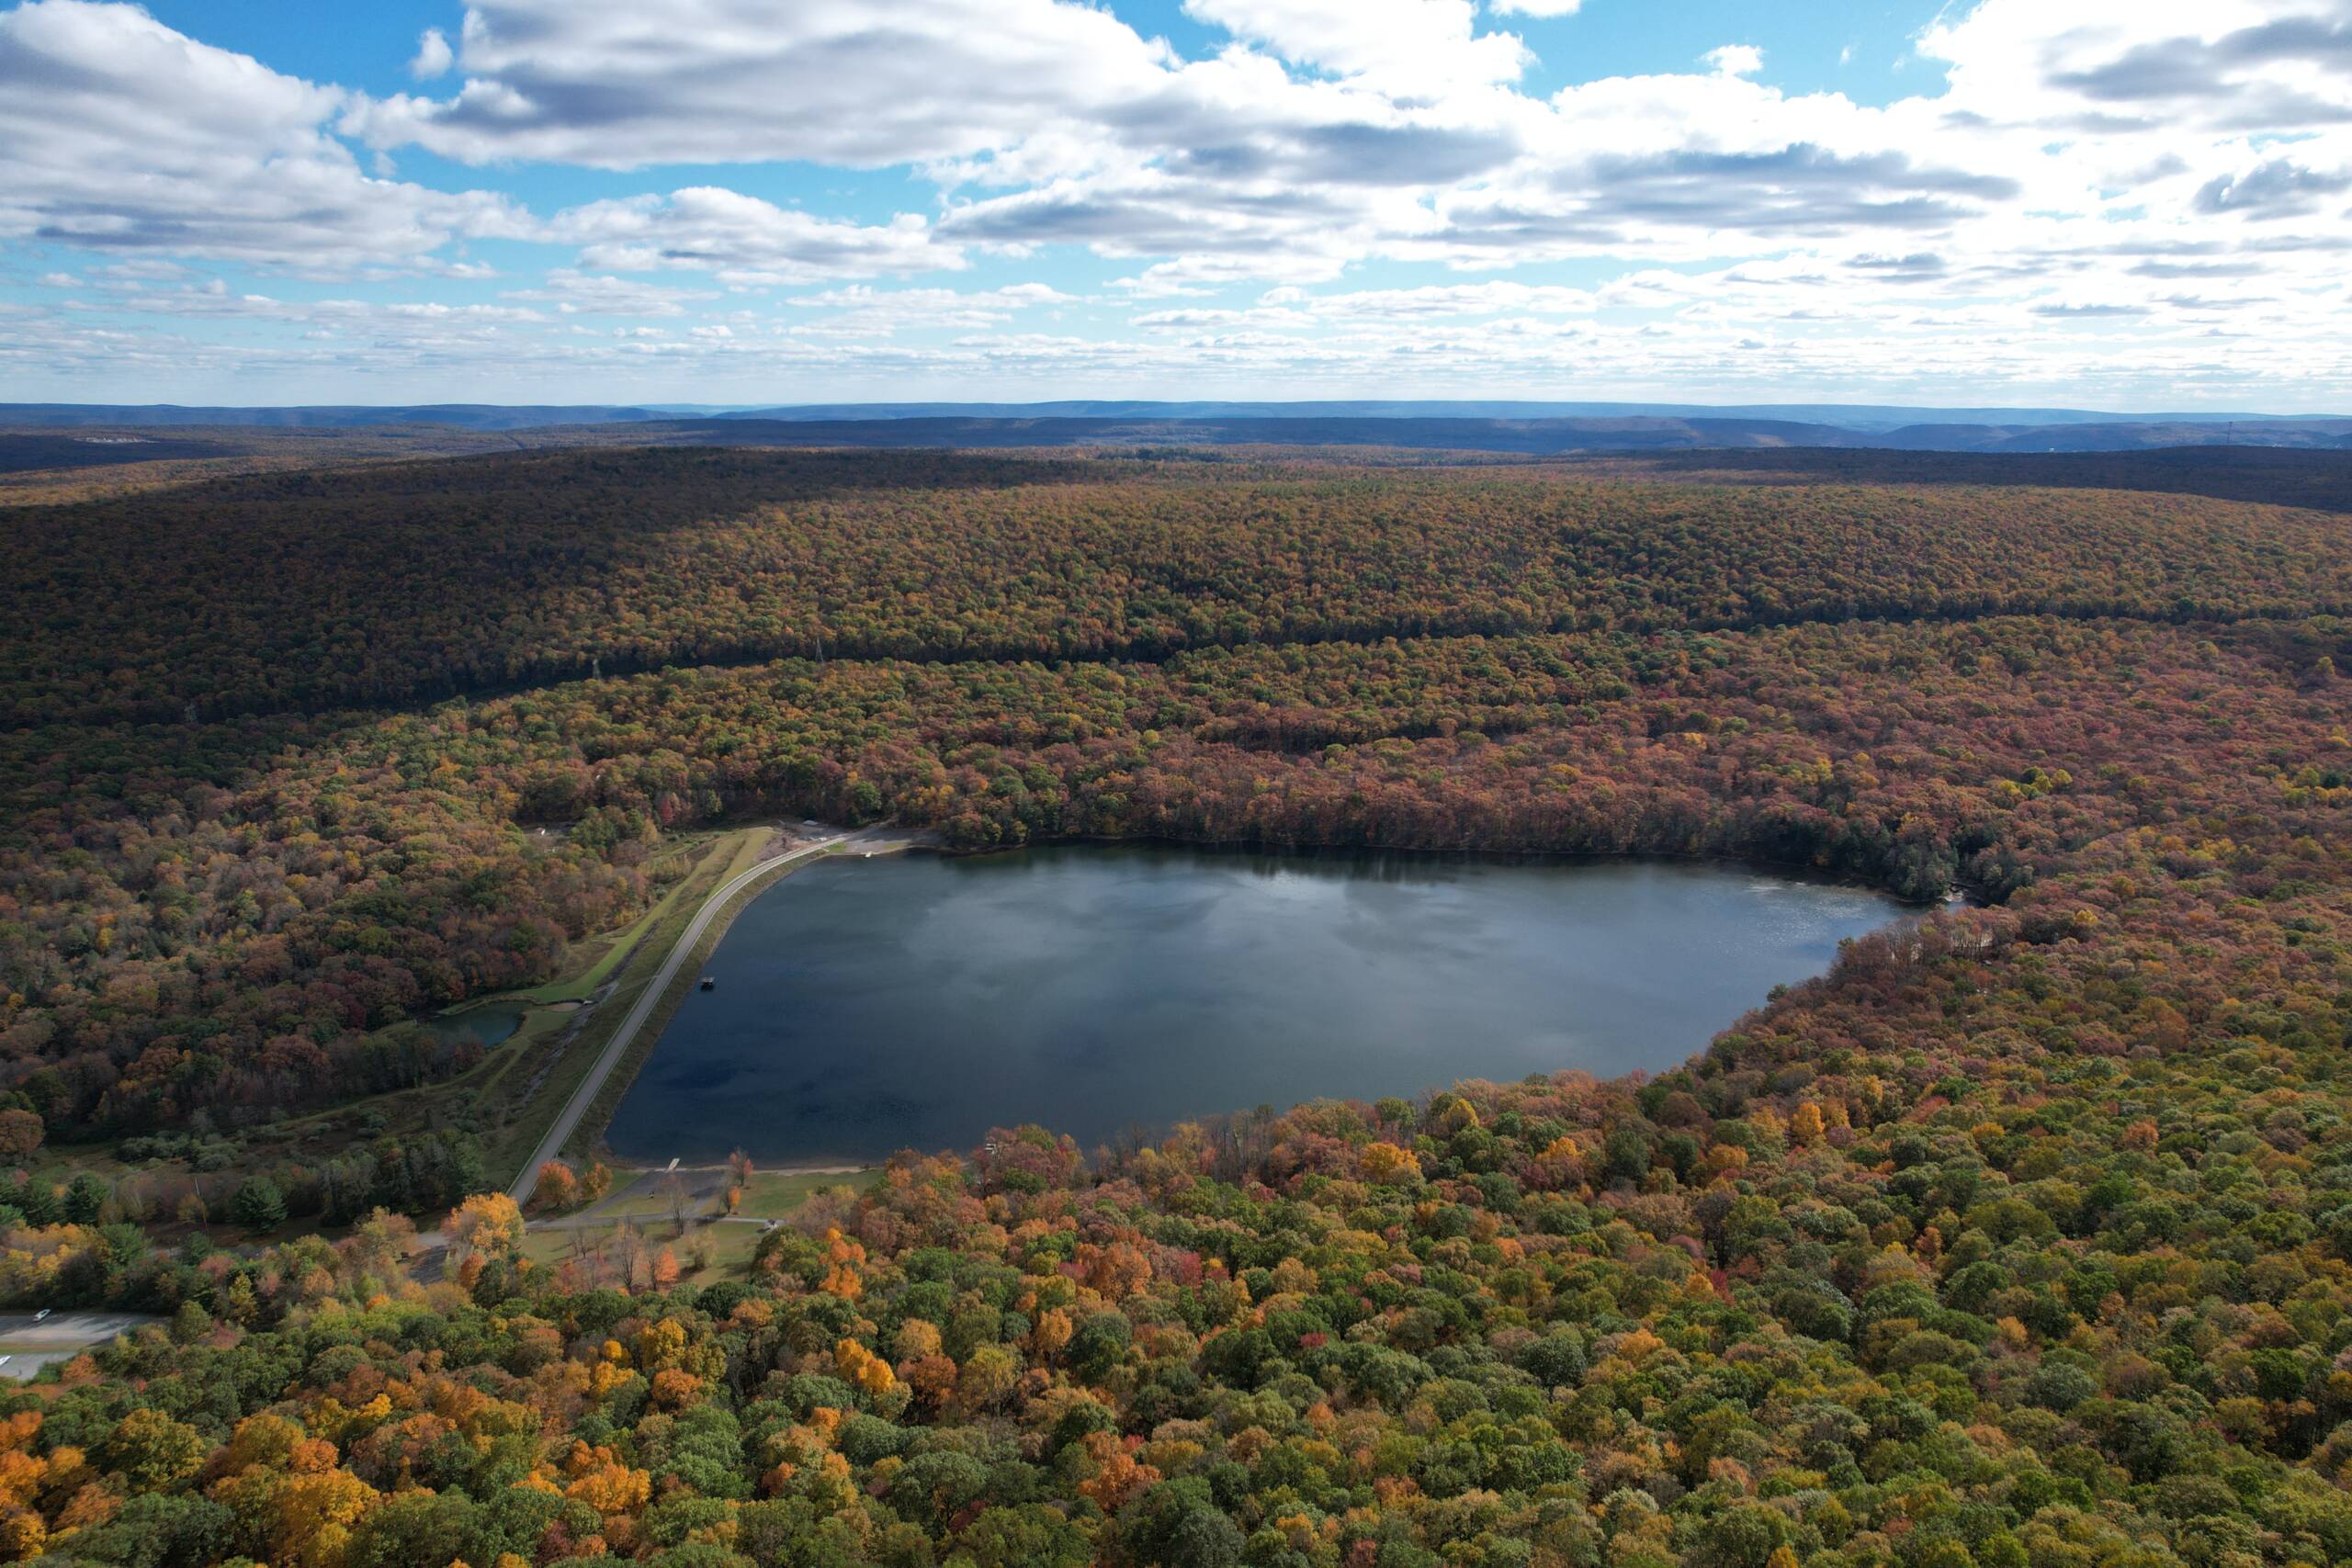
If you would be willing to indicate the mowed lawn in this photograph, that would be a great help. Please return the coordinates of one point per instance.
(730, 1246)
(771, 1195)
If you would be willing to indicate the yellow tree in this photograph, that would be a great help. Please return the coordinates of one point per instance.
(487, 1224)
(312, 1515)
(381, 1241)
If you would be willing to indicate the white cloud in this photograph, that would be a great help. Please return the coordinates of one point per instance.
(744, 240)
(433, 56)
(860, 308)
(2112, 67)
(1198, 274)
(572, 292)
(118, 134)
(2193, 165)
(621, 85)
(1500, 296)
(1407, 47)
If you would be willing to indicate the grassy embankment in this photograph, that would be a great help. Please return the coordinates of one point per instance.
(519, 1088)
(588, 1143)
(516, 1091)
(630, 964)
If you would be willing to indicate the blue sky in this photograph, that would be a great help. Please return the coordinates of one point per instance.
(739, 201)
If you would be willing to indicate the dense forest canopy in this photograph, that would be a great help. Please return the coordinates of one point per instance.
(2023, 1237)
(561, 565)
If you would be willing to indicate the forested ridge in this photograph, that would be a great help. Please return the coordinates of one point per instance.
(295, 593)
(2023, 1237)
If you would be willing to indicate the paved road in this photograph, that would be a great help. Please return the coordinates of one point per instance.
(648, 999)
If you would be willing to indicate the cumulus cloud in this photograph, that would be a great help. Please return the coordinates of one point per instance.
(2277, 187)
(433, 56)
(118, 133)
(1324, 133)
(743, 239)
(1409, 47)
(2077, 191)
(621, 85)
(2104, 67)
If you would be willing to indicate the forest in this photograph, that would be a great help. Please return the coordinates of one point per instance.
(2023, 1237)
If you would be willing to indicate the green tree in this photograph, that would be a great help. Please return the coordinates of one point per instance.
(258, 1205)
(151, 1451)
(86, 1200)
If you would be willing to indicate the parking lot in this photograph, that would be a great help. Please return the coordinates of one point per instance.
(29, 1342)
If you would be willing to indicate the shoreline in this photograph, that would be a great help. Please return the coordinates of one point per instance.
(1897, 914)
(625, 1052)
(1791, 870)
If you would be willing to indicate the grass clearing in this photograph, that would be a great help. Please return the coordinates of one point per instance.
(774, 1194)
(651, 1203)
(599, 1248)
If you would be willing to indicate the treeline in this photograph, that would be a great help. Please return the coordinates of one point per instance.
(102, 1256)
(417, 581)
(2271, 475)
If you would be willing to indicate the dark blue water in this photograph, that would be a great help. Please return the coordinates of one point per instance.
(862, 1007)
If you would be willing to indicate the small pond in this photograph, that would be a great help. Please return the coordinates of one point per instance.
(487, 1024)
(861, 1007)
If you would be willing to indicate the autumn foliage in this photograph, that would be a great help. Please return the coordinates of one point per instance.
(2021, 1237)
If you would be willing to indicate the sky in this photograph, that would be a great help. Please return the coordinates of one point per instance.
(2134, 205)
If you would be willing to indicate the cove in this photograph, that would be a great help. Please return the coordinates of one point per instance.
(865, 1005)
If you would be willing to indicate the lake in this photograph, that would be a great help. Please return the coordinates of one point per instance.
(863, 1006)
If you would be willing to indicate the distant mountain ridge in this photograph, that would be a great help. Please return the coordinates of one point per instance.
(1849, 416)
(1530, 437)
(1525, 428)
(325, 416)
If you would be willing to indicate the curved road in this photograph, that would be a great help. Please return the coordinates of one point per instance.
(585, 1095)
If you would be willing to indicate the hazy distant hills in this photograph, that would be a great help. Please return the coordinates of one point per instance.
(1852, 417)
(1546, 436)
(463, 416)
(1527, 428)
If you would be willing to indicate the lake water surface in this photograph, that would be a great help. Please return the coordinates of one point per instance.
(862, 1007)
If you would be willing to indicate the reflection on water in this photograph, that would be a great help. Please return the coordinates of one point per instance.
(866, 1007)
